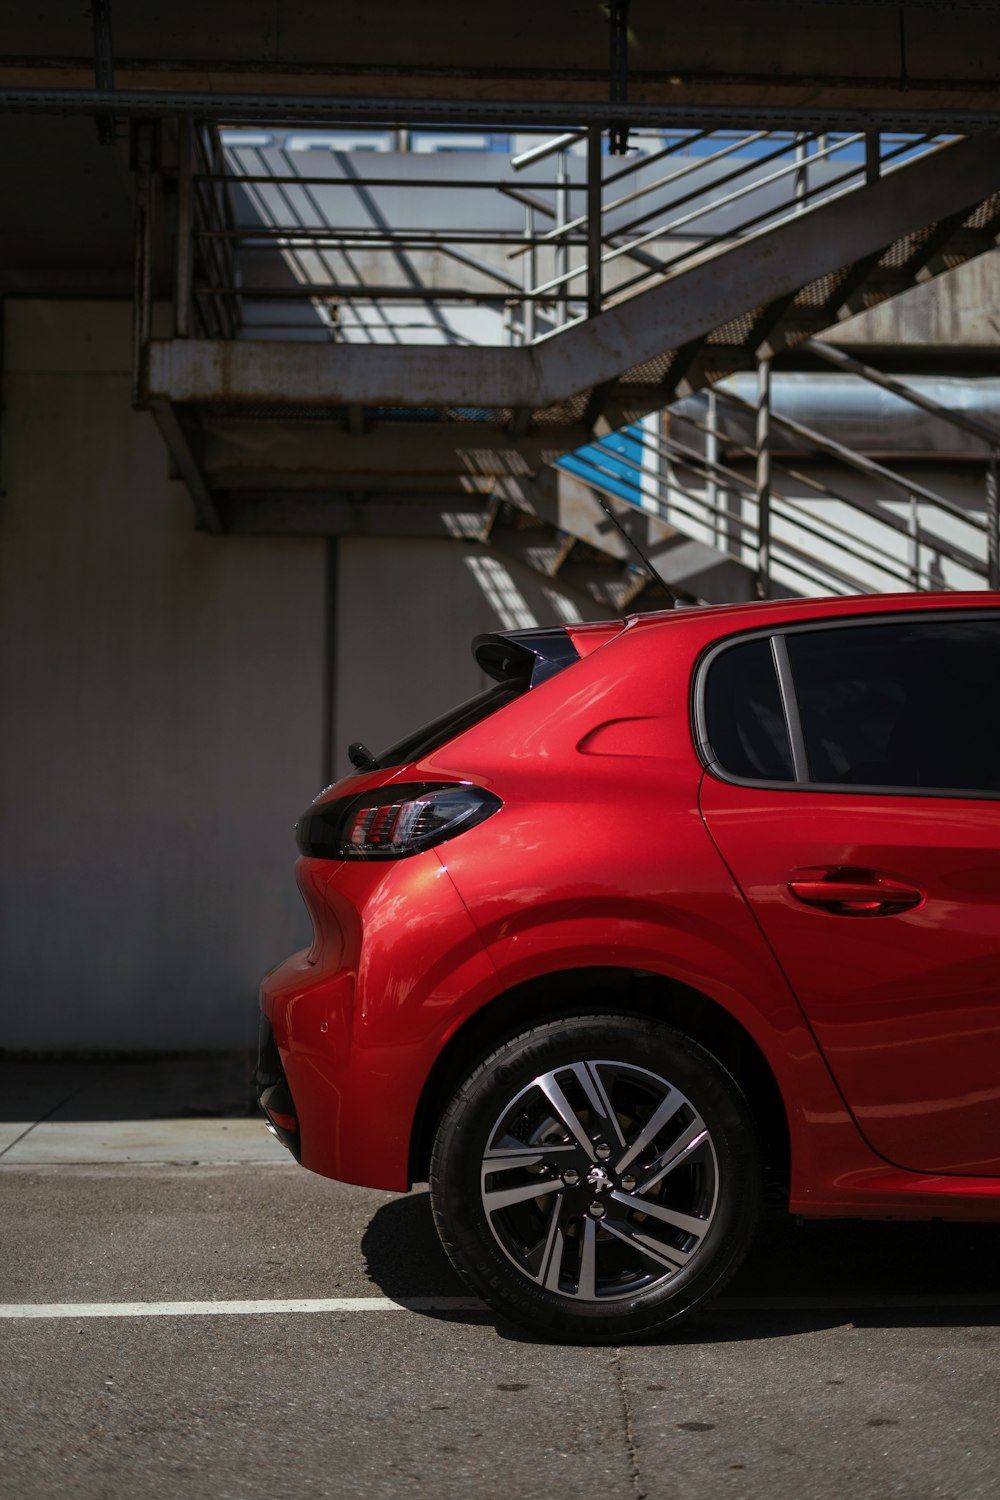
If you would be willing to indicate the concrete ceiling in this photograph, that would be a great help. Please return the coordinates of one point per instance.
(726, 53)
(66, 200)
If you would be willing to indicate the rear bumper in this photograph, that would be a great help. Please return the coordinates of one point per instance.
(356, 1023)
(273, 1094)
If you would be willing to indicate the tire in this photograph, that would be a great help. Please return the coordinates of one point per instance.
(596, 1179)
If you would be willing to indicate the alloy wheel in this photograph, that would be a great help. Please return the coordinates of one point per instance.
(600, 1180)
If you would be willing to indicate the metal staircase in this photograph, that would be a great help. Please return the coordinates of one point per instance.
(762, 502)
(293, 401)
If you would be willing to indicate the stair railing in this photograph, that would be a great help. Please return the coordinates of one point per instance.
(333, 245)
(757, 505)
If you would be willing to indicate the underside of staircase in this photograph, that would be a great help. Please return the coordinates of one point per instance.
(333, 438)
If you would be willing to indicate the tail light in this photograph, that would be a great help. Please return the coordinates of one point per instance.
(392, 822)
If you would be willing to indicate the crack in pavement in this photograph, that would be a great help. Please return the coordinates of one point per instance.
(630, 1447)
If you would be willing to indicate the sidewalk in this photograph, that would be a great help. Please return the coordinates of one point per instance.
(198, 1108)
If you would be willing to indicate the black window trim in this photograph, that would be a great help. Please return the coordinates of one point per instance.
(776, 634)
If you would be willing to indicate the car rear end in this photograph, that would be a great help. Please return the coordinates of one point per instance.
(352, 1025)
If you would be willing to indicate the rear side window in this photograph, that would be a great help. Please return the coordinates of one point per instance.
(432, 736)
(744, 720)
(913, 704)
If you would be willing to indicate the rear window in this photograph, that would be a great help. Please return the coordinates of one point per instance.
(456, 721)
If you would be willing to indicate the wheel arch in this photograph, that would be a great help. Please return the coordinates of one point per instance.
(593, 991)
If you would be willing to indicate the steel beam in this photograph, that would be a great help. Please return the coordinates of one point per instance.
(182, 444)
(258, 108)
(317, 375)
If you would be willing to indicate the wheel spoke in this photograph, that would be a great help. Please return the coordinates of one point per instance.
(593, 1087)
(669, 1107)
(552, 1255)
(678, 1152)
(503, 1160)
(586, 1286)
(670, 1216)
(652, 1250)
(567, 1114)
(506, 1197)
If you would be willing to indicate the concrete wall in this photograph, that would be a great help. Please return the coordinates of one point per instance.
(957, 311)
(161, 695)
(407, 614)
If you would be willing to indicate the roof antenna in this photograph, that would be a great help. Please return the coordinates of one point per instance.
(654, 575)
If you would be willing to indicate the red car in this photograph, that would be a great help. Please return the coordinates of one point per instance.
(684, 907)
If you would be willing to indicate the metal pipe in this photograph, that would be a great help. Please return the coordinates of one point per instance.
(873, 156)
(802, 175)
(826, 190)
(530, 277)
(594, 225)
(913, 515)
(863, 465)
(690, 139)
(763, 478)
(562, 214)
(673, 225)
(993, 521)
(823, 529)
(846, 362)
(546, 149)
(185, 231)
(662, 182)
(712, 459)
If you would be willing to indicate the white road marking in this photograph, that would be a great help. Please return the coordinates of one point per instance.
(207, 1309)
(462, 1304)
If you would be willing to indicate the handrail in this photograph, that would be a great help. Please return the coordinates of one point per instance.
(294, 212)
(778, 524)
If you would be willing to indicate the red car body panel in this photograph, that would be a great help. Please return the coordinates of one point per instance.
(904, 1007)
(602, 856)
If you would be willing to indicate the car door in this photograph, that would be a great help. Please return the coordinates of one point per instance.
(853, 788)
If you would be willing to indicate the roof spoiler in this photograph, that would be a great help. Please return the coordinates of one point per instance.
(519, 654)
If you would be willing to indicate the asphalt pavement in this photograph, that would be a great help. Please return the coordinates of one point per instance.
(847, 1359)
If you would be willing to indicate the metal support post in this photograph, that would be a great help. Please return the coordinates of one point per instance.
(914, 523)
(528, 306)
(594, 210)
(873, 156)
(993, 520)
(104, 66)
(185, 230)
(801, 171)
(562, 218)
(142, 145)
(617, 12)
(711, 460)
(763, 478)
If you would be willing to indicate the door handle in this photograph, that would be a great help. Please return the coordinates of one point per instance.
(847, 891)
